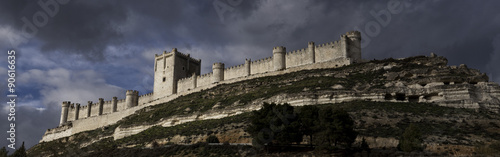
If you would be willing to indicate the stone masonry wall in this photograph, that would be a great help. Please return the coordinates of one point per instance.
(107, 107)
(333, 53)
(297, 58)
(328, 51)
(234, 71)
(143, 99)
(261, 66)
(204, 80)
(186, 84)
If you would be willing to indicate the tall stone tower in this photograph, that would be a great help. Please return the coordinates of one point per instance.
(64, 112)
(279, 58)
(354, 46)
(169, 68)
(218, 71)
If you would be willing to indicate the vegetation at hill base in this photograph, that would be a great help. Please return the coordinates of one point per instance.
(284, 125)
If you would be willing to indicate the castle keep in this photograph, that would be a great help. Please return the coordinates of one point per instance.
(176, 73)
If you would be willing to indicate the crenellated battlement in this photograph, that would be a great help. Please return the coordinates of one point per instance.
(75, 111)
(188, 56)
(279, 49)
(354, 34)
(262, 60)
(177, 53)
(205, 75)
(218, 65)
(176, 72)
(334, 43)
(146, 95)
(235, 67)
(297, 51)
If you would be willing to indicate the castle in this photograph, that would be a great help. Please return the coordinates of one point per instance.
(177, 74)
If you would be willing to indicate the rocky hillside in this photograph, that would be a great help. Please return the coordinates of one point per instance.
(456, 109)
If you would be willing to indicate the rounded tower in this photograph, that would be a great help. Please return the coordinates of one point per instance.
(89, 108)
(101, 106)
(218, 72)
(279, 58)
(135, 99)
(247, 67)
(311, 52)
(64, 112)
(77, 111)
(115, 104)
(129, 98)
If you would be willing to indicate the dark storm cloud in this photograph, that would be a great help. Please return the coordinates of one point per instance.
(84, 28)
(87, 28)
(461, 31)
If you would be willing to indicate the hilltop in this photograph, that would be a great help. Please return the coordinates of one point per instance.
(455, 107)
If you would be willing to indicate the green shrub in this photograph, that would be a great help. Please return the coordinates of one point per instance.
(411, 139)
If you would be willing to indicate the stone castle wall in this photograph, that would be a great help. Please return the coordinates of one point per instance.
(261, 66)
(102, 113)
(143, 99)
(186, 84)
(235, 71)
(322, 53)
(204, 80)
(94, 122)
(94, 108)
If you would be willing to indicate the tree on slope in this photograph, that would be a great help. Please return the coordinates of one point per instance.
(411, 139)
(337, 128)
(308, 118)
(274, 124)
(20, 152)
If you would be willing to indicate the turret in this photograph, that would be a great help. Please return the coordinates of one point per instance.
(89, 108)
(247, 67)
(136, 98)
(194, 78)
(218, 70)
(354, 35)
(64, 112)
(77, 111)
(311, 52)
(354, 48)
(343, 46)
(115, 104)
(101, 106)
(131, 98)
(279, 58)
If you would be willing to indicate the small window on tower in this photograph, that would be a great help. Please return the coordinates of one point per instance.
(182, 68)
(164, 79)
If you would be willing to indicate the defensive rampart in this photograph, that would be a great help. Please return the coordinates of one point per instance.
(76, 118)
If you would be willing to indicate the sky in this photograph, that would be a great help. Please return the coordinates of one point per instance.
(82, 50)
